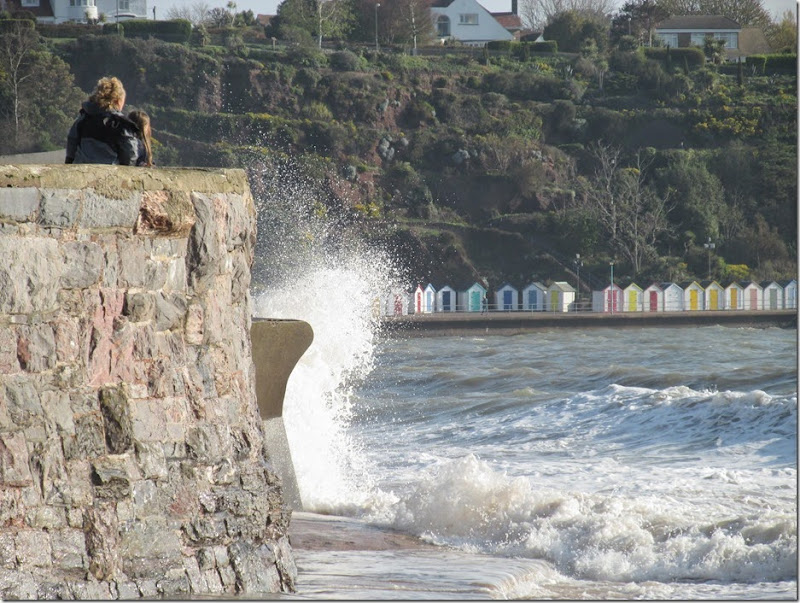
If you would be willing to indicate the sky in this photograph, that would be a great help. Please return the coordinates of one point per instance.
(269, 7)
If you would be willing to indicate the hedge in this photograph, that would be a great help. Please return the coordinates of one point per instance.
(11, 25)
(176, 30)
(694, 56)
(66, 30)
(771, 63)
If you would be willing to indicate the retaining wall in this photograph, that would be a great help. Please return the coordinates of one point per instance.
(133, 459)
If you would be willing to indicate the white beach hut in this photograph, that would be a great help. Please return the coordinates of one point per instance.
(446, 299)
(789, 293)
(506, 298)
(607, 300)
(473, 298)
(632, 298)
(418, 297)
(397, 303)
(533, 297)
(673, 297)
(560, 296)
(653, 298)
(752, 294)
(429, 299)
(772, 295)
(713, 295)
(693, 294)
(734, 297)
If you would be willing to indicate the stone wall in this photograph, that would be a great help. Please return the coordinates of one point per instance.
(132, 454)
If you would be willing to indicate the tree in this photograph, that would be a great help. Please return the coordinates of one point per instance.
(714, 49)
(638, 18)
(18, 44)
(196, 13)
(538, 13)
(320, 18)
(629, 210)
(783, 34)
(572, 28)
(747, 13)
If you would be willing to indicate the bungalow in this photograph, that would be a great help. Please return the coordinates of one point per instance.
(632, 298)
(560, 296)
(683, 31)
(789, 293)
(653, 298)
(446, 299)
(752, 296)
(533, 297)
(771, 296)
(466, 21)
(506, 298)
(693, 294)
(714, 295)
(81, 11)
(734, 297)
(472, 299)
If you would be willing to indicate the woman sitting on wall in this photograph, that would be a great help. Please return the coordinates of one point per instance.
(101, 133)
(145, 154)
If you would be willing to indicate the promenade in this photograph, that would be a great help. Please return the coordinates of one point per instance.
(510, 323)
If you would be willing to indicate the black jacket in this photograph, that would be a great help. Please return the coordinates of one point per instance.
(100, 136)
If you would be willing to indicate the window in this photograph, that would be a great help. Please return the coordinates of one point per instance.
(443, 26)
(731, 39)
(124, 5)
(468, 19)
(30, 2)
(698, 39)
(670, 39)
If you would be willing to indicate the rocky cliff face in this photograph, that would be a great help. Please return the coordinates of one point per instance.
(132, 457)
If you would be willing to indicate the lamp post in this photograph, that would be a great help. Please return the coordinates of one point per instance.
(709, 246)
(377, 6)
(578, 264)
(612, 297)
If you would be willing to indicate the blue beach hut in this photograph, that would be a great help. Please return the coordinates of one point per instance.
(533, 297)
(506, 298)
(446, 299)
(473, 298)
(789, 293)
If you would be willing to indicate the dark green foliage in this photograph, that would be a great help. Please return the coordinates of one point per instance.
(67, 30)
(571, 29)
(344, 61)
(693, 57)
(773, 63)
(178, 30)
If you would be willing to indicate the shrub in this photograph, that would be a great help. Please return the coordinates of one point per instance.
(693, 57)
(177, 30)
(344, 61)
(773, 63)
(504, 45)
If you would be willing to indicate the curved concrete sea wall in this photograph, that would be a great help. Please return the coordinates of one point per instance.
(133, 460)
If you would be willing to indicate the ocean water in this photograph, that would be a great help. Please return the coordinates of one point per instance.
(656, 463)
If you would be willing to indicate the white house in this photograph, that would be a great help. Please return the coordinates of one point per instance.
(560, 296)
(789, 293)
(533, 297)
(63, 11)
(506, 298)
(632, 298)
(673, 297)
(125, 9)
(472, 299)
(772, 296)
(734, 297)
(682, 31)
(466, 21)
(446, 299)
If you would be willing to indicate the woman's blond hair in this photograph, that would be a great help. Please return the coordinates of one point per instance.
(142, 120)
(108, 93)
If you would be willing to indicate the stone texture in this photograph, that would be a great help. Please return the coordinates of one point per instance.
(131, 460)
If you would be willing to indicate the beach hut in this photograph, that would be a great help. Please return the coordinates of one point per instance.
(473, 298)
(752, 295)
(673, 297)
(446, 299)
(734, 297)
(418, 297)
(693, 294)
(632, 298)
(397, 303)
(506, 298)
(714, 295)
(533, 297)
(789, 293)
(560, 296)
(771, 296)
(653, 298)
(607, 300)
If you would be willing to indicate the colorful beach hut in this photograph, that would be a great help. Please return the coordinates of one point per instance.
(653, 298)
(472, 299)
(533, 297)
(397, 303)
(693, 294)
(713, 295)
(789, 293)
(752, 293)
(560, 296)
(607, 300)
(506, 298)
(673, 297)
(734, 297)
(772, 295)
(632, 298)
(446, 299)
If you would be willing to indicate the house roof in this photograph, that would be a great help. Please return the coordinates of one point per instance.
(753, 41)
(264, 19)
(698, 22)
(510, 21)
(562, 286)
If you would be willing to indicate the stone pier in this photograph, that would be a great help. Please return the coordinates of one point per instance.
(133, 459)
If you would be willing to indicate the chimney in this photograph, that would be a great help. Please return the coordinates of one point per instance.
(513, 7)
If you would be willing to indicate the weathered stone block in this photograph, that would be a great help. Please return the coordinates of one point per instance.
(22, 401)
(33, 549)
(139, 306)
(117, 424)
(59, 207)
(113, 476)
(69, 550)
(29, 274)
(170, 310)
(102, 212)
(36, 348)
(151, 459)
(19, 204)
(102, 540)
(83, 264)
(89, 439)
(254, 567)
(165, 214)
(8, 352)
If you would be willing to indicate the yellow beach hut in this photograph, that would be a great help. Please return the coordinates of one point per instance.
(693, 296)
(632, 298)
(734, 297)
(714, 295)
(560, 297)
